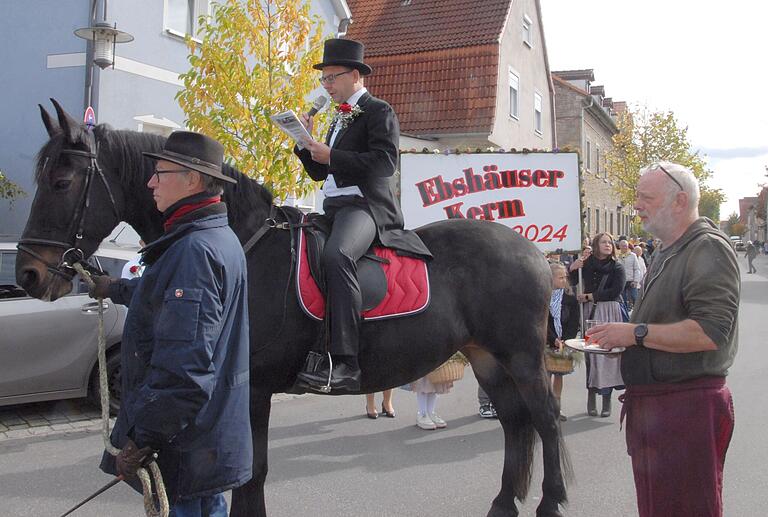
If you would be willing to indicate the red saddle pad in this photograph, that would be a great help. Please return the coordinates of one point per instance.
(407, 285)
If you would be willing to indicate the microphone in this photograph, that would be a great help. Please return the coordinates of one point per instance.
(319, 104)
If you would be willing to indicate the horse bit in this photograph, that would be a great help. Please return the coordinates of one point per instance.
(64, 267)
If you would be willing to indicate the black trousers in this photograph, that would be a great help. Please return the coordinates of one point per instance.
(352, 233)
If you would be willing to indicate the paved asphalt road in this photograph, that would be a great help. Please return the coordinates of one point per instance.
(328, 460)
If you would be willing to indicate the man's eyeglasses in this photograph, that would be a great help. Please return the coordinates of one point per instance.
(331, 78)
(657, 166)
(158, 172)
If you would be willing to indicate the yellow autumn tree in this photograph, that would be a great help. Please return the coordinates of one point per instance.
(645, 137)
(254, 59)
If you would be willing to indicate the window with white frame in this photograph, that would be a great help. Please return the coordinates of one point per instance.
(514, 94)
(182, 17)
(537, 121)
(527, 31)
(588, 156)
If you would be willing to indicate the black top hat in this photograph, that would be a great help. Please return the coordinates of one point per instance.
(344, 52)
(194, 151)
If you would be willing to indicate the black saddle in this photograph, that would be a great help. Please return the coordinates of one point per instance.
(370, 275)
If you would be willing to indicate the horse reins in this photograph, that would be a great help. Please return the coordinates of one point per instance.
(76, 226)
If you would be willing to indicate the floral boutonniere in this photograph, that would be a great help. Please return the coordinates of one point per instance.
(345, 114)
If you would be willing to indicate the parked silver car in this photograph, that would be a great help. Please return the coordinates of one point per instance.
(48, 349)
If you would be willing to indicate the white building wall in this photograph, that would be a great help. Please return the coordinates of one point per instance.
(529, 64)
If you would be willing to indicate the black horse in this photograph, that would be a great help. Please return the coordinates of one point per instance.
(490, 296)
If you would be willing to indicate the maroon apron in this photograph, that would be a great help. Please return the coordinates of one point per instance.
(677, 436)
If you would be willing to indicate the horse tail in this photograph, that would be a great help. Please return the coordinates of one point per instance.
(521, 447)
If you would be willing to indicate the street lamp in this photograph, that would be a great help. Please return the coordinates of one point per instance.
(105, 37)
(102, 37)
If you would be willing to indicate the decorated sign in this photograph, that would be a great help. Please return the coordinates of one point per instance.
(535, 194)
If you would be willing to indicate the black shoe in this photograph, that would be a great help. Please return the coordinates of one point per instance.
(343, 378)
(388, 414)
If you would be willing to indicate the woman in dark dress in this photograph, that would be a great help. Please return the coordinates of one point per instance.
(603, 279)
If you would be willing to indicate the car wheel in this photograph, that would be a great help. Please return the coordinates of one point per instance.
(113, 382)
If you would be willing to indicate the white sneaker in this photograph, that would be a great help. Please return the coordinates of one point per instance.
(439, 422)
(424, 422)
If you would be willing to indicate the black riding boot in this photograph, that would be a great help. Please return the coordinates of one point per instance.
(592, 402)
(606, 406)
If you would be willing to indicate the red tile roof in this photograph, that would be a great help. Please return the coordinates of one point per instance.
(401, 26)
(431, 96)
(435, 61)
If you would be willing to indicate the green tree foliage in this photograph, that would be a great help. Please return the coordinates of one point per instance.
(8, 189)
(255, 59)
(645, 137)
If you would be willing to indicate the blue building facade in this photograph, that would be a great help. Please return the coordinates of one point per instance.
(41, 58)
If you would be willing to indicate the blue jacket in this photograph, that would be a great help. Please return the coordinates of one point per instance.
(184, 359)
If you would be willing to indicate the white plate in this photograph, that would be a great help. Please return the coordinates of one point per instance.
(578, 344)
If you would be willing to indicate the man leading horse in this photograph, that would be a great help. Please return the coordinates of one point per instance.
(356, 163)
(184, 354)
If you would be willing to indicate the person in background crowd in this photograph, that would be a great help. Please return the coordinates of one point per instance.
(638, 251)
(563, 322)
(632, 271)
(604, 281)
(426, 399)
(386, 405)
(681, 341)
(751, 253)
(649, 248)
(644, 255)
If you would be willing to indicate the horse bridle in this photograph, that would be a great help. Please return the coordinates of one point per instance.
(72, 253)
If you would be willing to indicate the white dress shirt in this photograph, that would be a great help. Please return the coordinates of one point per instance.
(329, 187)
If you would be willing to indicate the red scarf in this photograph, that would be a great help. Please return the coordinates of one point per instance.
(185, 209)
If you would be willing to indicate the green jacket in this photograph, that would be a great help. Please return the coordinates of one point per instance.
(696, 278)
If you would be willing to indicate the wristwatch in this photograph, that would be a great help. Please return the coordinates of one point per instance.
(641, 330)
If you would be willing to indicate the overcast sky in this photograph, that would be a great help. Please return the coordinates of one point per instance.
(707, 64)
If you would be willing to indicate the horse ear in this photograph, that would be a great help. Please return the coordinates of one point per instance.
(48, 122)
(67, 124)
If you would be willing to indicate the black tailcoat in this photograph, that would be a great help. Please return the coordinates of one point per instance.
(365, 155)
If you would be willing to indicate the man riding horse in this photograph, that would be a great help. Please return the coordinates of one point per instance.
(356, 163)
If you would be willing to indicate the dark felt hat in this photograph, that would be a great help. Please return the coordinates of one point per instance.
(344, 52)
(194, 151)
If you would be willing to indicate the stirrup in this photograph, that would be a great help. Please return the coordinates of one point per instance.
(313, 363)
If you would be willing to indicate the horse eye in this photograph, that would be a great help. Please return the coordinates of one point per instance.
(61, 185)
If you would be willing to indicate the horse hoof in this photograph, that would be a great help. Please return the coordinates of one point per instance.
(498, 511)
(548, 510)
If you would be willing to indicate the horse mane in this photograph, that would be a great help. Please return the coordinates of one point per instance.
(125, 154)
(240, 198)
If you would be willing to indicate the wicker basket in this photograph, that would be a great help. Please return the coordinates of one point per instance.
(449, 371)
(557, 363)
